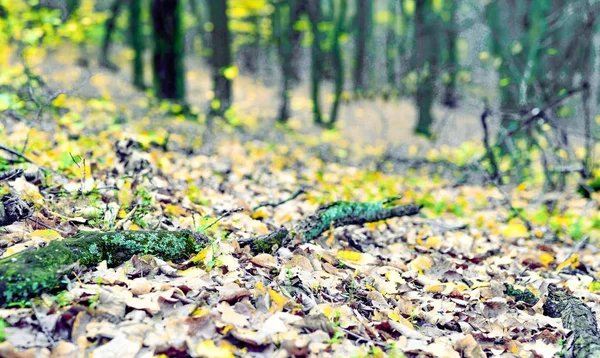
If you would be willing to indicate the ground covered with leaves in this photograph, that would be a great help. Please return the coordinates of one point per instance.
(432, 284)
(441, 283)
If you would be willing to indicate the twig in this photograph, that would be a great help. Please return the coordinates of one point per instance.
(42, 327)
(224, 215)
(486, 143)
(46, 226)
(20, 155)
(359, 337)
(294, 195)
(39, 111)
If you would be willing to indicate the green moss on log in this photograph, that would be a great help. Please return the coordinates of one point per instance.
(267, 242)
(29, 273)
(117, 247)
(344, 213)
(521, 295)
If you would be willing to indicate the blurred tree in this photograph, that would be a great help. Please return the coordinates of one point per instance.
(338, 61)
(426, 62)
(315, 15)
(363, 20)
(167, 60)
(221, 57)
(450, 60)
(137, 42)
(391, 41)
(283, 34)
(109, 27)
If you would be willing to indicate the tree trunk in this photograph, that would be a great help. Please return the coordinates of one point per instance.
(338, 61)
(360, 58)
(221, 57)
(426, 61)
(283, 31)
(451, 33)
(391, 44)
(109, 28)
(137, 42)
(315, 16)
(167, 61)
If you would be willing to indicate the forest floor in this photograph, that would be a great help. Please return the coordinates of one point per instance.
(431, 284)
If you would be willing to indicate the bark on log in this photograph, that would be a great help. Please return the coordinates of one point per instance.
(29, 273)
(344, 213)
(584, 339)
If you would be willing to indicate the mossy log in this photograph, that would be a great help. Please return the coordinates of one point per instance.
(29, 273)
(584, 339)
(344, 213)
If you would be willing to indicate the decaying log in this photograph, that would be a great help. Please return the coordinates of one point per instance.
(584, 339)
(344, 213)
(29, 273)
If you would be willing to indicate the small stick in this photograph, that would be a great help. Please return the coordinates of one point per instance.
(226, 214)
(20, 155)
(294, 195)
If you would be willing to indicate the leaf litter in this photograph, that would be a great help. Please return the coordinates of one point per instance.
(431, 285)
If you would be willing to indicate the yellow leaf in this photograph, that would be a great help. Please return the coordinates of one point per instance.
(515, 229)
(435, 288)
(260, 289)
(261, 213)
(200, 311)
(46, 234)
(433, 242)
(398, 318)
(571, 261)
(201, 255)
(546, 259)
(331, 239)
(277, 301)
(477, 284)
(192, 272)
(421, 263)
(210, 350)
(349, 255)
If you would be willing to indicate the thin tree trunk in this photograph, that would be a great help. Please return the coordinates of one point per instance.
(283, 32)
(391, 44)
(337, 61)
(450, 98)
(109, 27)
(315, 15)
(221, 57)
(360, 58)
(137, 42)
(167, 59)
(426, 61)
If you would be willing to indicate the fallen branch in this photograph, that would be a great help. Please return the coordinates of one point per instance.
(584, 339)
(14, 152)
(343, 213)
(275, 204)
(29, 273)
